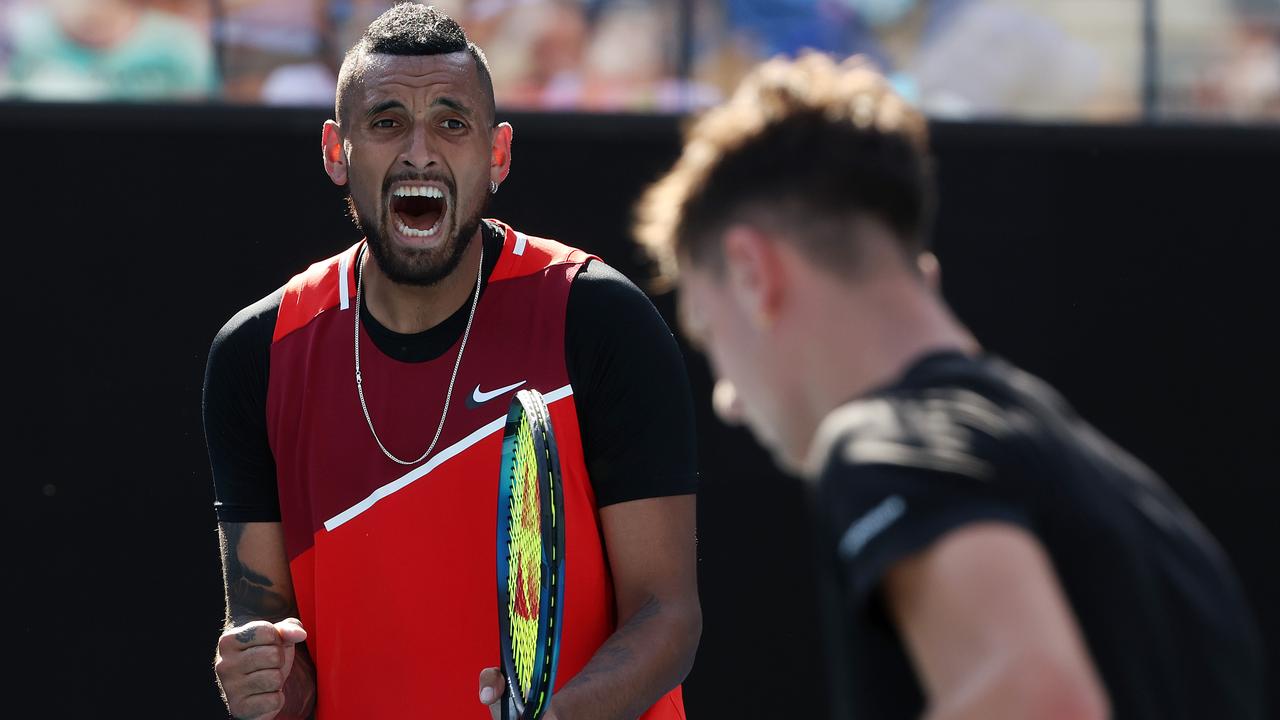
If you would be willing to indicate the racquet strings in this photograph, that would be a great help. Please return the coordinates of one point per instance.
(525, 562)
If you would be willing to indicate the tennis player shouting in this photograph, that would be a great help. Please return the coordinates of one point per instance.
(997, 557)
(354, 423)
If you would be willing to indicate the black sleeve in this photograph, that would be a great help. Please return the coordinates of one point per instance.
(903, 473)
(235, 415)
(631, 389)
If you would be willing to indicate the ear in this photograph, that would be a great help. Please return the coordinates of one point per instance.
(930, 270)
(500, 157)
(754, 273)
(335, 155)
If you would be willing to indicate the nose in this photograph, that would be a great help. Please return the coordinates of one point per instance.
(724, 400)
(418, 154)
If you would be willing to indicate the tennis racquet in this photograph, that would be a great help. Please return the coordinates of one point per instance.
(530, 554)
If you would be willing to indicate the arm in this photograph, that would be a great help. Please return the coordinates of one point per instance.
(652, 556)
(989, 630)
(263, 669)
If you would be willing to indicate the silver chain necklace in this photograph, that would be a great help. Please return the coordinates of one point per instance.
(452, 378)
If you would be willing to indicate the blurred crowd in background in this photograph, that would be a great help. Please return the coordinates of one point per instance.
(1091, 60)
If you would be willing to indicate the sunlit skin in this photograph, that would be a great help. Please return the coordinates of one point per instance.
(790, 340)
(735, 345)
(420, 120)
(740, 338)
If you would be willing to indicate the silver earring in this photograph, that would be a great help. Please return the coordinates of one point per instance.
(493, 187)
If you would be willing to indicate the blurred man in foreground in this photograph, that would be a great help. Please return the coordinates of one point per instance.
(998, 558)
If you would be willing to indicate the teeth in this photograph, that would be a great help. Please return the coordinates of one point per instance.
(418, 191)
(413, 232)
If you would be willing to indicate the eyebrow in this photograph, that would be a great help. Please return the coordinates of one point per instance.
(448, 102)
(452, 104)
(384, 106)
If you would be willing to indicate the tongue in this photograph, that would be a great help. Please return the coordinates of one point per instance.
(419, 213)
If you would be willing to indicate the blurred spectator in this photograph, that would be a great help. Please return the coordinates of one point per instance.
(1019, 59)
(288, 52)
(632, 60)
(1194, 42)
(975, 58)
(107, 50)
(536, 50)
(785, 27)
(278, 51)
(953, 58)
(1251, 78)
(1112, 30)
(598, 55)
(1241, 81)
(1215, 59)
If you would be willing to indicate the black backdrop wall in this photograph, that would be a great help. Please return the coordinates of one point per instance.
(1131, 267)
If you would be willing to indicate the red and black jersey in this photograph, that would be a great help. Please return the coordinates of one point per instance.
(393, 566)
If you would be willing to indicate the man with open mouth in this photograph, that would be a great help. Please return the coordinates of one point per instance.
(353, 419)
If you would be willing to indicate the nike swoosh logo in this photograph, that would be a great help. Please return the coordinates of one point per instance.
(479, 397)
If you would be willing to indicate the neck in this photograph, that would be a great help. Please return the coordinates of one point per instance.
(411, 309)
(888, 324)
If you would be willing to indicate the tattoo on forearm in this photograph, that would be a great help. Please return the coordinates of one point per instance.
(249, 592)
(252, 595)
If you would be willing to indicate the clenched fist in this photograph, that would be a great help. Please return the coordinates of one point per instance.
(253, 664)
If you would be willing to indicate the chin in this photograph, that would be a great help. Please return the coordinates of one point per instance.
(415, 265)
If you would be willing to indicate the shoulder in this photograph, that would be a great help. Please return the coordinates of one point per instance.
(948, 429)
(327, 284)
(253, 317)
(605, 295)
(249, 331)
(632, 392)
(608, 315)
(898, 472)
(524, 254)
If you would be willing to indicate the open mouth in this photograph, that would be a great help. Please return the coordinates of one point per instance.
(418, 210)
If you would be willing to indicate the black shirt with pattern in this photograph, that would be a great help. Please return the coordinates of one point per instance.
(959, 440)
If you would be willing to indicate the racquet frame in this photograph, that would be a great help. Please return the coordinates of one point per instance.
(529, 404)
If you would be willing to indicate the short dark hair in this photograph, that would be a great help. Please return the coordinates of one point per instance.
(409, 28)
(807, 146)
